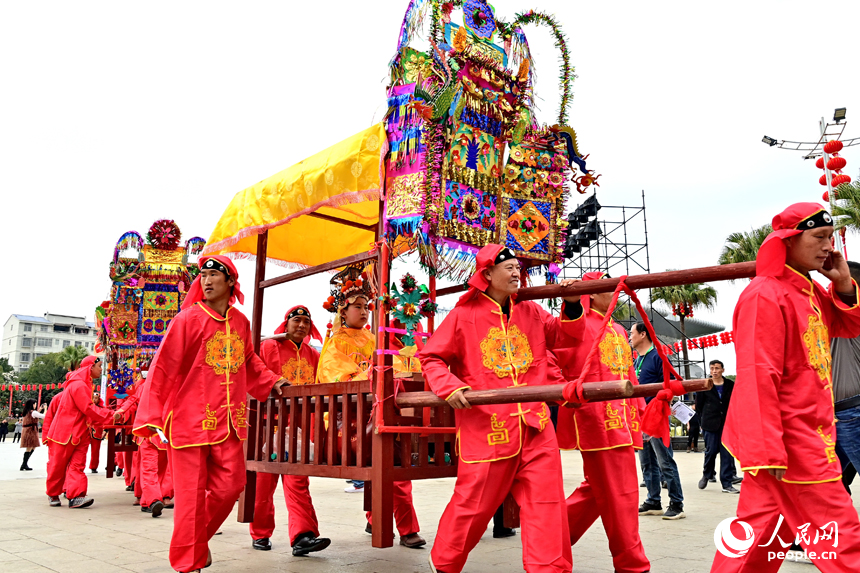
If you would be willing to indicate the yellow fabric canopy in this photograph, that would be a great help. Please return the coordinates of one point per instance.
(343, 181)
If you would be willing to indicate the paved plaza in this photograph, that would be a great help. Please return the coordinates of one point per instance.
(113, 536)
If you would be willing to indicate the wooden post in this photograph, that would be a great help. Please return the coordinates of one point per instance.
(249, 494)
(382, 484)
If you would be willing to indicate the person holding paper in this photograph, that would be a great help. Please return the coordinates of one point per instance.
(607, 435)
(713, 405)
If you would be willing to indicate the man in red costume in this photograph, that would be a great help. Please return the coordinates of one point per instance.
(68, 434)
(97, 434)
(153, 480)
(196, 396)
(606, 434)
(297, 361)
(780, 423)
(492, 341)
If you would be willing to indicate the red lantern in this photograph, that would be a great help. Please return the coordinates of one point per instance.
(833, 146)
(836, 163)
(840, 179)
(820, 163)
(823, 180)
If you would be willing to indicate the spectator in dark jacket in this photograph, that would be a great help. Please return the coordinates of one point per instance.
(712, 406)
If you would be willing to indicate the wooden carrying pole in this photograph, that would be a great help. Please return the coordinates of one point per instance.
(594, 391)
(636, 282)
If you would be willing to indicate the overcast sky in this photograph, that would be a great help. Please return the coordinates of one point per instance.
(114, 114)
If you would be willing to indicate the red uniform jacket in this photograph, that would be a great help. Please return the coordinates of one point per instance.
(484, 350)
(198, 382)
(69, 423)
(50, 413)
(781, 413)
(297, 366)
(600, 425)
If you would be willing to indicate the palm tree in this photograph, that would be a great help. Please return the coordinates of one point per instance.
(846, 209)
(743, 246)
(683, 300)
(71, 357)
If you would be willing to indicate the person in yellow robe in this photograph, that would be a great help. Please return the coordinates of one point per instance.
(348, 354)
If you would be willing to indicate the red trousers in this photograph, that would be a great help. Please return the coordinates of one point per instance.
(128, 467)
(95, 450)
(763, 499)
(66, 469)
(300, 507)
(155, 480)
(207, 481)
(610, 491)
(404, 512)
(534, 478)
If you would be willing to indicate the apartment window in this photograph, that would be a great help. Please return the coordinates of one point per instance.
(28, 328)
(66, 343)
(77, 343)
(43, 328)
(56, 342)
(26, 342)
(82, 331)
(43, 342)
(62, 328)
(25, 357)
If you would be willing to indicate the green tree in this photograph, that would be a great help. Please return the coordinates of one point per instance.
(846, 209)
(683, 299)
(743, 246)
(71, 357)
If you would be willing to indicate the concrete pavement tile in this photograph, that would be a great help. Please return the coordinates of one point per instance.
(24, 545)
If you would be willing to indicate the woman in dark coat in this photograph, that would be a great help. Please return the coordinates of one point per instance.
(30, 432)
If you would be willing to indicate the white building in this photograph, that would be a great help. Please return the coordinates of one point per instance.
(26, 338)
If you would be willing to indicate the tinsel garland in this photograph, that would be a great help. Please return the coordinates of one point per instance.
(521, 50)
(434, 142)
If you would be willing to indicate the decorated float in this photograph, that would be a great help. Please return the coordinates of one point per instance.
(149, 277)
(459, 161)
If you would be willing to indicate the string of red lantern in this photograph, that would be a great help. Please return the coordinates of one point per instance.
(836, 164)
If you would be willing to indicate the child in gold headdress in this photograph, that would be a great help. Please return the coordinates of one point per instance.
(348, 354)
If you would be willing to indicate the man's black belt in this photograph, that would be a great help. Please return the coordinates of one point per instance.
(847, 403)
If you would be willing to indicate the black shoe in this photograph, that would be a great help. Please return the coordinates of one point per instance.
(130, 487)
(500, 532)
(262, 544)
(736, 480)
(703, 483)
(731, 489)
(665, 485)
(94, 471)
(307, 543)
(675, 511)
(118, 472)
(369, 528)
(649, 508)
(155, 508)
(712, 480)
(642, 484)
(412, 541)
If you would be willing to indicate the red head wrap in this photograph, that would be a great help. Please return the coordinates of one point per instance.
(771, 257)
(314, 334)
(592, 276)
(195, 293)
(485, 260)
